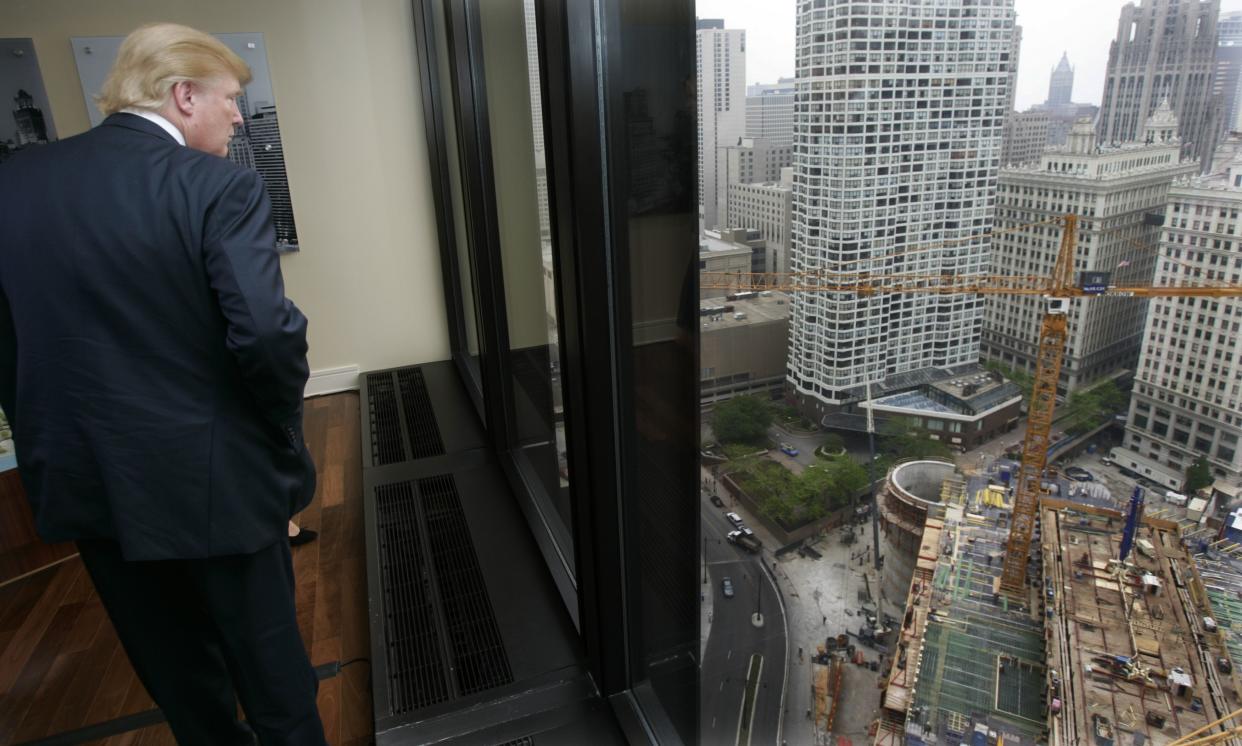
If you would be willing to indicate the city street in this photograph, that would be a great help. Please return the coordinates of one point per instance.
(732, 638)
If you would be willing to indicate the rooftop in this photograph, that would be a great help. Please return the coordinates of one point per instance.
(766, 306)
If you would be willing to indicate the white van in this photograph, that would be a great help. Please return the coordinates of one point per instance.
(1176, 498)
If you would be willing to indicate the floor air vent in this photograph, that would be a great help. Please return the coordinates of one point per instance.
(440, 628)
(416, 666)
(386, 441)
(420, 418)
(402, 420)
(474, 639)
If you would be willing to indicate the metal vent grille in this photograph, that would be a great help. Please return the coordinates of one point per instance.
(420, 418)
(474, 639)
(416, 666)
(523, 741)
(385, 419)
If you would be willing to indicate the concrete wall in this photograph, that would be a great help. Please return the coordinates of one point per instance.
(345, 78)
(910, 493)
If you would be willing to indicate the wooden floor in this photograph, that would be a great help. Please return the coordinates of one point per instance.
(62, 668)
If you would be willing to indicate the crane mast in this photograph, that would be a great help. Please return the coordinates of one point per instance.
(1052, 336)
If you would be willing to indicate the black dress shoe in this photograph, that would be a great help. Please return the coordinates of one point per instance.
(305, 536)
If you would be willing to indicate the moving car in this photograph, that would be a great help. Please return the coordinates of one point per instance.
(788, 450)
(726, 587)
(746, 539)
(717, 501)
(734, 518)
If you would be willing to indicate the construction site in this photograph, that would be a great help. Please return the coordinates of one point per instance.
(1121, 635)
(965, 656)
(1133, 646)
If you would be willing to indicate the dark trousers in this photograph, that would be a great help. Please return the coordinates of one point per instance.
(202, 634)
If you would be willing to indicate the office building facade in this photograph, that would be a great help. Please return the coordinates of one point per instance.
(1187, 400)
(1025, 136)
(1118, 194)
(766, 207)
(895, 154)
(747, 162)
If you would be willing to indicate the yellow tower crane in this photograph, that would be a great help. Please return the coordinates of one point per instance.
(1058, 291)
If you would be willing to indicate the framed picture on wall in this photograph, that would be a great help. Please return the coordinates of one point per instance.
(25, 117)
(256, 143)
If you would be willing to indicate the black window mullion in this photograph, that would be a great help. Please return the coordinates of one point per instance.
(588, 309)
(474, 140)
(433, 99)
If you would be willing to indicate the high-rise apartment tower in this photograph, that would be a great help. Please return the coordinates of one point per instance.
(722, 104)
(897, 143)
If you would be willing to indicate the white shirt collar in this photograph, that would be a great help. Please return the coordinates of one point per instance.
(151, 116)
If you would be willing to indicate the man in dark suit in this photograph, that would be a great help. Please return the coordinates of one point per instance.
(153, 371)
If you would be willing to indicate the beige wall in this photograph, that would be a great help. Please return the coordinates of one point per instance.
(346, 81)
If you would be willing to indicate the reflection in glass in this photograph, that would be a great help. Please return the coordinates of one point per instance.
(515, 113)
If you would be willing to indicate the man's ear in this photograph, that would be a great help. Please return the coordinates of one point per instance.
(183, 96)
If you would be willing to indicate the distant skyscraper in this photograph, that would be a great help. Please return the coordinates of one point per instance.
(1164, 49)
(1230, 28)
(269, 161)
(896, 149)
(1185, 401)
(1061, 83)
(721, 56)
(31, 129)
(1228, 80)
(770, 112)
(1117, 190)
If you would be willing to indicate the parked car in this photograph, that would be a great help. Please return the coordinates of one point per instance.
(726, 587)
(734, 518)
(1078, 474)
(788, 450)
(717, 501)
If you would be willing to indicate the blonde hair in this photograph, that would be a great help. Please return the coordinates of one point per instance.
(156, 56)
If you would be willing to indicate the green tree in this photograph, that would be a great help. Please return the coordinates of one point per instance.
(742, 419)
(828, 485)
(1199, 475)
(903, 438)
(1093, 407)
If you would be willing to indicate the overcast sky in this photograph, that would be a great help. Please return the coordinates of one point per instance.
(1083, 28)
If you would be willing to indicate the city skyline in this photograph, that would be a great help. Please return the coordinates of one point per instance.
(1046, 36)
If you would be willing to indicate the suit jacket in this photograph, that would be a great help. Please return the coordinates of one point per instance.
(151, 367)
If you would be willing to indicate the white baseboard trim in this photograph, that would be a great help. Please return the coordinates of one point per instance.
(332, 380)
